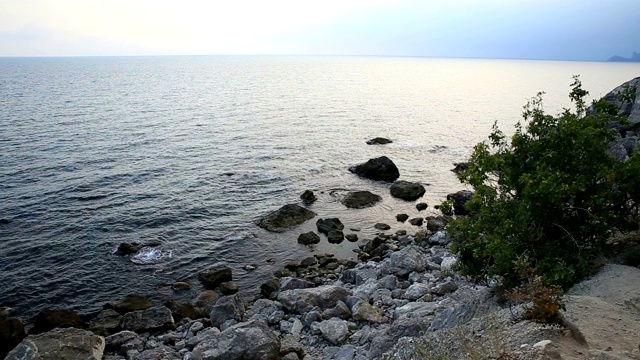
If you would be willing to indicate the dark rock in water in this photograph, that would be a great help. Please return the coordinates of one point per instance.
(128, 249)
(181, 311)
(308, 238)
(379, 141)
(229, 288)
(406, 190)
(180, 286)
(107, 323)
(308, 261)
(268, 288)
(402, 217)
(151, 319)
(57, 318)
(360, 199)
(460, 198)
(285, 218)
(60, 344)
(422, 206)
(416, 221)
(4, 221)
(11, 334)
(308, 197)
(326, 225)
(381, 169)
(436, 223)
(382, 226)
(335, 236)
(129, 303)
(213, 277)
(351, 237)
(227, 308)
(460, 167)
(251, 340)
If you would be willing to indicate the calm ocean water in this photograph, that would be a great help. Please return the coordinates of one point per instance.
(191, 151)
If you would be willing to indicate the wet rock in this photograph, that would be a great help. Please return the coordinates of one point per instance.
(379, 141)
(308, 238)
(381, 169)
(416, 221)
(351, 237)
(269, 287)
(213, 277)
(382, 226)
(67, 343)
(180, 286)
(303, 300)
(229, 288)
(334, 330)
(285, 218)
(460, 198)
(360, 199)
(422, 206)
(152, 319)
(107, 323)
(326, 225)
(128, 248)
(227, 308)
(308, 197)
(252, 340)
(335, 236)
(402, 217)
(460, 167)
(308, 261)
(57, 318)
(12, 332)
(406, 190)
(130, 303)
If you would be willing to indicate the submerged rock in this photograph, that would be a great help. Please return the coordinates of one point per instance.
(379, 141)
(308, 197)
(381, 169)
(57, 318)
(360, 199)
(326, 225)
(406, 190)
(309, 238)
(130, 303)
(285, 218)
(213, 277)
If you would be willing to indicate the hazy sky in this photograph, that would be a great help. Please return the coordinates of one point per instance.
(524, 29)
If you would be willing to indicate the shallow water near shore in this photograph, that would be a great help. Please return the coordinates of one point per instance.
(189, 152)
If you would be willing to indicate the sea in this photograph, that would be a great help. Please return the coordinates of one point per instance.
(189, 152)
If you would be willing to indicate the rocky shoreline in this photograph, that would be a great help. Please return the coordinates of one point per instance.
(322, 307)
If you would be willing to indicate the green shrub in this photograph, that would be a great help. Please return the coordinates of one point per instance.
(551, 194)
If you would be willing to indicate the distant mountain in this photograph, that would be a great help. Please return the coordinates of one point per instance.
(634, 58)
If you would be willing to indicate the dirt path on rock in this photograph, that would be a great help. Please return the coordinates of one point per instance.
(606, 310)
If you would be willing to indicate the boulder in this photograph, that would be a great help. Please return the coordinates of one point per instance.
(152, 319)
(268, 288)
(422, 206)
(229, 288)
(360, 199)
(67, 343)
(334, 330)
(205, 301)
(57, 318)
(402, 263)
(382, 226)
(326, 225)
(107, 323)
(128, 248)
(351, 237)
(630, 110)
(303, 300)
(289, 283)
(308, 197)
(12, 332)
(252, 340)
(406, 190)
(285, 218)
(379, 141)
(227, 308)
(266, 310)
(436, 223)
(213, 277)
(335, 236)
(308, 238)
(162, 352)
(402, 217)
(460, 167)
(381, 169)
(114, 342)
(341, 310)
(129, 303)
(416, 221)
(363, 311)
(460, 198)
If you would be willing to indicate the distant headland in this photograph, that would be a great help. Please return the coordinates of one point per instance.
(634, 58)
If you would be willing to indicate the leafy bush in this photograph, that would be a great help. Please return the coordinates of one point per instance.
(550, 194)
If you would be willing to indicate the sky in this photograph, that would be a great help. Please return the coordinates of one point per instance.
(587, 30)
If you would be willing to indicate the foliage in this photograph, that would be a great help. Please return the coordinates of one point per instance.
(551, 192)
(542, 301)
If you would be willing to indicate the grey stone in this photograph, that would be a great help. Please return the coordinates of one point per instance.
(445, 288)
(416, 291)
(289, 283)
(340, 311)
(360, 199)
(448, 263)
(266, 310)
(213, 277)
(302, 300)
(245, 341)
(363, 311)
(406, 190)
(66, 343)
(334, 330)
(161, 352)
(151, 319)
(403, 262)
(227, 308)
(205, 301)
(308, 238)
